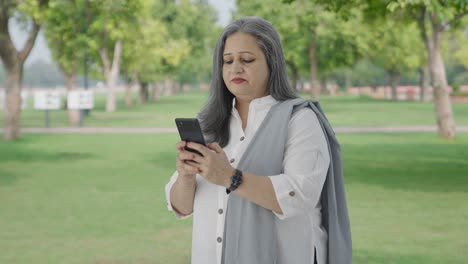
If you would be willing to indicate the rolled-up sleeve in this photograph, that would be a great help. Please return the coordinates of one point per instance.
(305, 166)
(168, 196)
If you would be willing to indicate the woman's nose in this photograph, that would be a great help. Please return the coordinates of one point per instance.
(236, 67)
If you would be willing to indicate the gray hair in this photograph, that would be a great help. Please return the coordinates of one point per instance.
(216, 113)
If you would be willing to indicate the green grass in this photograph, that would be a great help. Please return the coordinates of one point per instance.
(89, 199)
(341, 110)
(100, 199)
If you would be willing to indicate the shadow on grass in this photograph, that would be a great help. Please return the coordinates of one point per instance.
(163, 160)
(7, 177)
(376, 257)
(25, 154)
(410, 166)
(20, 151)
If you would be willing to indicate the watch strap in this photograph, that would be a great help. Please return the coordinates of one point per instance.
(236, 181)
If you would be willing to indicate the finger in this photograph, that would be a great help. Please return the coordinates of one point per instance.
(202, 149)
(186, 155)
(180, 145)
(193, 165)
(215, 147)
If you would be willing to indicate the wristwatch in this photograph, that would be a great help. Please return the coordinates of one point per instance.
(236, 181)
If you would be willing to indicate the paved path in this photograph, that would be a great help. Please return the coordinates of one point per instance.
(147, 130)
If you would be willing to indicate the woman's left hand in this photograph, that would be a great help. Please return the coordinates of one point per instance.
(214, 165)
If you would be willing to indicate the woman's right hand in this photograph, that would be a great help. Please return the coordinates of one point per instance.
(184, 157)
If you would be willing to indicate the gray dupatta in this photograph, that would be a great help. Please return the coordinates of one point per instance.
(250, 234)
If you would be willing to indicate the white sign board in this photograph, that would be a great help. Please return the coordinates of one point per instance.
(81, 99)
(47, 100)
(24, 100)
(2, 100)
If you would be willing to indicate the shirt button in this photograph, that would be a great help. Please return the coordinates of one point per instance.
(219, 239)
(242, 138)
(292, 193)
(232, 160)
(220, 211)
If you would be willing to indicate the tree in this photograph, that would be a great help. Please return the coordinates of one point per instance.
(109, 23)
(32, 12)
(314, 39)
(396, 48)
(195, 22)
(434, 18)
(65, 33)
(149, 50)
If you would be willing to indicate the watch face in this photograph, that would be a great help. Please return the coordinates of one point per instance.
(236, 180)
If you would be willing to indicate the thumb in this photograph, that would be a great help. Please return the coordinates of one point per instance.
(215, 147)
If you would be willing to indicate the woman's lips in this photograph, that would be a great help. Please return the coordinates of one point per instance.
(238, 80)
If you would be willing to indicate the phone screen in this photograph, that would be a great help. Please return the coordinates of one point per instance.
(190, 130)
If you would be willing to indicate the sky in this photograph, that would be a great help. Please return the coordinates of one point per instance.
(42, 52)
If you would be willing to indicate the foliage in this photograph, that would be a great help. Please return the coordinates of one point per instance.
(66, 33)
(193, 23)
(340, 43)
(396, 47)
(148, 46)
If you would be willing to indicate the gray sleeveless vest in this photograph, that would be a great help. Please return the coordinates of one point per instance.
(249, 234)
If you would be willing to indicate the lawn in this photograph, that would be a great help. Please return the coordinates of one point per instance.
(100, 199)
(342, 110)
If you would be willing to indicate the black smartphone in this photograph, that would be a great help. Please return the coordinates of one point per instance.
(190, 130)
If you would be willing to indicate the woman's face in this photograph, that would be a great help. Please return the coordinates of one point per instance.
(245, 69)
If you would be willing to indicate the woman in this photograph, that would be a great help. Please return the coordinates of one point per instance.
(256, 191)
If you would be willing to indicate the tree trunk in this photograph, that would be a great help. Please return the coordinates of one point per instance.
(425, 71)
(300, 84)
(186, 87)
(128, 93)
(394, 80)
(323, 86)
(144, 93)
(169, 87)
(130, 81)
(424, 82)
(111, 72)
(314, 82)
(73, 114)
(295, 78)
(177, 87)
(294, 74)
(156, 92)
(13, 61)
(12, 111)
(347, 76)
(443, 105)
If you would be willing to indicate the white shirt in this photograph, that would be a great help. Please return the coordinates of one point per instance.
(298, 189)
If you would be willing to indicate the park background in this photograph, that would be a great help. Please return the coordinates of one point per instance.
(95, 193)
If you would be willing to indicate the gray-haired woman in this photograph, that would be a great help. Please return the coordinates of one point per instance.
(268, 188)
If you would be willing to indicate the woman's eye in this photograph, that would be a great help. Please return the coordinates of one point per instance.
(228, 62)
(248, 60)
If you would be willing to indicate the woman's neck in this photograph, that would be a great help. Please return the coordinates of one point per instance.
(243, 109)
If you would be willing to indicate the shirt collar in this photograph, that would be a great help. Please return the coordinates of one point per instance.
(259, 103)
